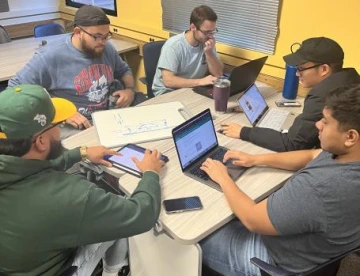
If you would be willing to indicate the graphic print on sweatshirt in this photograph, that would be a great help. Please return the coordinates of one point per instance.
(92, 85)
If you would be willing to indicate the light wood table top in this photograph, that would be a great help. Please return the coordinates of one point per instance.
(15, 54)
(191, 227)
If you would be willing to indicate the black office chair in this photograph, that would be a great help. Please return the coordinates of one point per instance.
(4, 36)
(151, 54)
(48, 29)
(329, 268)
(69, 271)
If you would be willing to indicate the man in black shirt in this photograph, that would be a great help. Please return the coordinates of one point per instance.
(319, 61)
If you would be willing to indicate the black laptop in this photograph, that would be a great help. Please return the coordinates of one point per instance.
(195, 140)
(241, 78)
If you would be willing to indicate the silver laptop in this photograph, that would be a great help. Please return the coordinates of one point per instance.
(259, 114)
(195, 140)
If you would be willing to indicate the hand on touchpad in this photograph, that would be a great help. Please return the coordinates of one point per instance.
(229, 163)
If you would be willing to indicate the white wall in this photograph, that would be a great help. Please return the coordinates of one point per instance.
(22, 11)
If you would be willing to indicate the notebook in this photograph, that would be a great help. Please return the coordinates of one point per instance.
(195, 140)
(259, 114)
(240, 77)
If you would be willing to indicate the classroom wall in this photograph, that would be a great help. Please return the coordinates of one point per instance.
(298, 20)
(23, 11)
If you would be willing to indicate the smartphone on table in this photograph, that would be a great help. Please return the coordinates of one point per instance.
(125, 163)
(183, 204)
(288, 104)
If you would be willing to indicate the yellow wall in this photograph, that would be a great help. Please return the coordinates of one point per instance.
(298, 20)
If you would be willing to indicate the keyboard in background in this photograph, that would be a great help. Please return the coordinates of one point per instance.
(274, 119)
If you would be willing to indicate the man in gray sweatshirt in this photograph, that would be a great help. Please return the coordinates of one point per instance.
(81, 67)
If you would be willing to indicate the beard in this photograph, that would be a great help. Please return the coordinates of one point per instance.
(91, 52)
(56, 149)
(199, 40)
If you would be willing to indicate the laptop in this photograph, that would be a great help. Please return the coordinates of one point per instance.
(195, 140)
(240, 77)
(259, 114)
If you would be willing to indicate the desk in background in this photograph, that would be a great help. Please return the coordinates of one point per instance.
(15, 54)
(176, 252)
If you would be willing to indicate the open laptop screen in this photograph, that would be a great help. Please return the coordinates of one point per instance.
(253, 104)
(194, 138)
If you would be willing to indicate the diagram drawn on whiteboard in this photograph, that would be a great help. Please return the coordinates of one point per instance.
(141, 127)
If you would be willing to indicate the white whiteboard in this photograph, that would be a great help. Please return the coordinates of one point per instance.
(117, 127)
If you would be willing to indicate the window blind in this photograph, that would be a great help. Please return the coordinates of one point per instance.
(248, 24)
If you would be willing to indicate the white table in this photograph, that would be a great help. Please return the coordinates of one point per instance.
(177, 252)
(15, 54)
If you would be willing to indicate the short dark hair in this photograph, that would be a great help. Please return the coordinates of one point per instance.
(344, 103)
(202, 13)
(336, 67)
(15, 147)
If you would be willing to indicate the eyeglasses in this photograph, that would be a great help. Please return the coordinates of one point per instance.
(307, 68)
(97, 37)
(207, 33)
(46, 129)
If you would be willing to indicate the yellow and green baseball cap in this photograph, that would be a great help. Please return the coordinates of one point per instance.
(28, 109)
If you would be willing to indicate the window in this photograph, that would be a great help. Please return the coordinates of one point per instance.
(251, 24)
(109, 6)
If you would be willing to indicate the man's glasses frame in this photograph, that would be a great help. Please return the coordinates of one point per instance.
(207, 33)
(299, 70)
(97, 37)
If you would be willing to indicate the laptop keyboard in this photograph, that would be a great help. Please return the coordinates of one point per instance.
(274, 119)
(216, 155)
(199, 172)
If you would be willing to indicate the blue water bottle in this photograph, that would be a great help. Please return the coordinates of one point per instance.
(291, 83)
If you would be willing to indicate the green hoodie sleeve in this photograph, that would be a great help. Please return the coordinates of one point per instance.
(108, 216)
(66, 160)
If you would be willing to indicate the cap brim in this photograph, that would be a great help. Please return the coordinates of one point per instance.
(64, 109)
(294, 59)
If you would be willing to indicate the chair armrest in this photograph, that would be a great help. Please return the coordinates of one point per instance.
(143, 80)
(268, 269)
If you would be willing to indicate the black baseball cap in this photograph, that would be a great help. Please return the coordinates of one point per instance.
(317, 49)
(90, 16)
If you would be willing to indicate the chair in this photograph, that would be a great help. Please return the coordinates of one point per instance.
(3, 85)
(329, 268)
(4, 36)
(151, 54)
(48, 29)
(69, 271)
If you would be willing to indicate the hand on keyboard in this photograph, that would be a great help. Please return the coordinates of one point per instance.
(240, 158)
(199, 173)
(216, 170)
(231, 129)
(229, 163)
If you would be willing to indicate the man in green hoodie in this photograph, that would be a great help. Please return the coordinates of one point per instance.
(51, 220)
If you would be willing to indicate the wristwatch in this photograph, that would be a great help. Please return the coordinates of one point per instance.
(83, 152)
